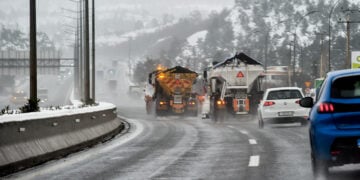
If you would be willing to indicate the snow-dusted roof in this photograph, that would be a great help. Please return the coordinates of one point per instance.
(241, 57)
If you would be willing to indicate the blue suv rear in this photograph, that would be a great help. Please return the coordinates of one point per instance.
(335, 121)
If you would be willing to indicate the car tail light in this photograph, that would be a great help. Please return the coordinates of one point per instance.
(162, 102)
(192, 103)
(326, 108)
(335, 153)
(269, 103)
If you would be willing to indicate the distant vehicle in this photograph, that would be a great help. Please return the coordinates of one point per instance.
(136, 91)
(172, 92)
(277, 76)
(112, 84)
(19, 97)
(334, 121)
(43, 95)
(281, 105)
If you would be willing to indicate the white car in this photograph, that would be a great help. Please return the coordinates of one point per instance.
(281, 105)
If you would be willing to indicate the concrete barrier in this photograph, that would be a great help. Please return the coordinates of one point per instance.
(30, 142)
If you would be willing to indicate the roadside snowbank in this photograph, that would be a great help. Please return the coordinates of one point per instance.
(66, 110)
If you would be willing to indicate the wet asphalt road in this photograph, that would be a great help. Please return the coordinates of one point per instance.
(191, 148)
(188, 148)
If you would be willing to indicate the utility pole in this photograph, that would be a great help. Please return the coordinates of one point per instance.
(348, 22)
(289, 72)
(294, 61)
(93, 51)
(81, 51)
(86, 56)
(266, 55)
(329, 42)
(33, 57)
(322, 63)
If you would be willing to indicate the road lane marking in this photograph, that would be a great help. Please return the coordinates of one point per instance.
(116, 158)
(244, 132)
(254, 161)
(252, 141)
(241, 131)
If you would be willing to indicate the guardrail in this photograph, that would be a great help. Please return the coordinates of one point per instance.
(27, 142)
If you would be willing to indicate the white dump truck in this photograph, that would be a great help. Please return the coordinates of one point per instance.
(234, 85)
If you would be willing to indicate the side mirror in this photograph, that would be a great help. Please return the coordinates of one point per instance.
(307, 102)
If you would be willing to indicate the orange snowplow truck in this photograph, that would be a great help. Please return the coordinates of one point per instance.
(173, 89)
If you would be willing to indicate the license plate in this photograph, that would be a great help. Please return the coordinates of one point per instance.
(358, 143)
(286, 113)
(177, 99)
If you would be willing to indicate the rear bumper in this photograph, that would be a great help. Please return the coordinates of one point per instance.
(336, 146)
(297, 113)
(284, 120)
(191, 108)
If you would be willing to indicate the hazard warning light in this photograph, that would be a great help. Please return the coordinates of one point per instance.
(240, 75)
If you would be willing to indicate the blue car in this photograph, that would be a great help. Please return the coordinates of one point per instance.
(335, 121)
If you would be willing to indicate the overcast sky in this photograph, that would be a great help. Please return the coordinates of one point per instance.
(54, 17)
(16, 11)
(53, 14)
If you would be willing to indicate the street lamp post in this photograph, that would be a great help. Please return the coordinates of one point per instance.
(77, 47)
(331, 11)
(295, 37)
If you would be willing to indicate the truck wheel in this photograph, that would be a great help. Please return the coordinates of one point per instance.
(159, 113)
(221, 115)
(148, 107)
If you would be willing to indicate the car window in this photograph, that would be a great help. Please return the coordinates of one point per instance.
(346, 87)
(284, 94)
(322, 87)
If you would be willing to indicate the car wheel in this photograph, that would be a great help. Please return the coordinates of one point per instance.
(261, 122)
(320, 167)
(304, 122)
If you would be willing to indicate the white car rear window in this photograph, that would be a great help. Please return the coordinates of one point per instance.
(284, 94)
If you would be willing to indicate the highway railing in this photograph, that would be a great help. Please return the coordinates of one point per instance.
(34, 138)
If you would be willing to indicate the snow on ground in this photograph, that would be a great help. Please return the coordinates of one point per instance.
(114, 39)
(67, 110)
(193, 39)
(77, 107)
